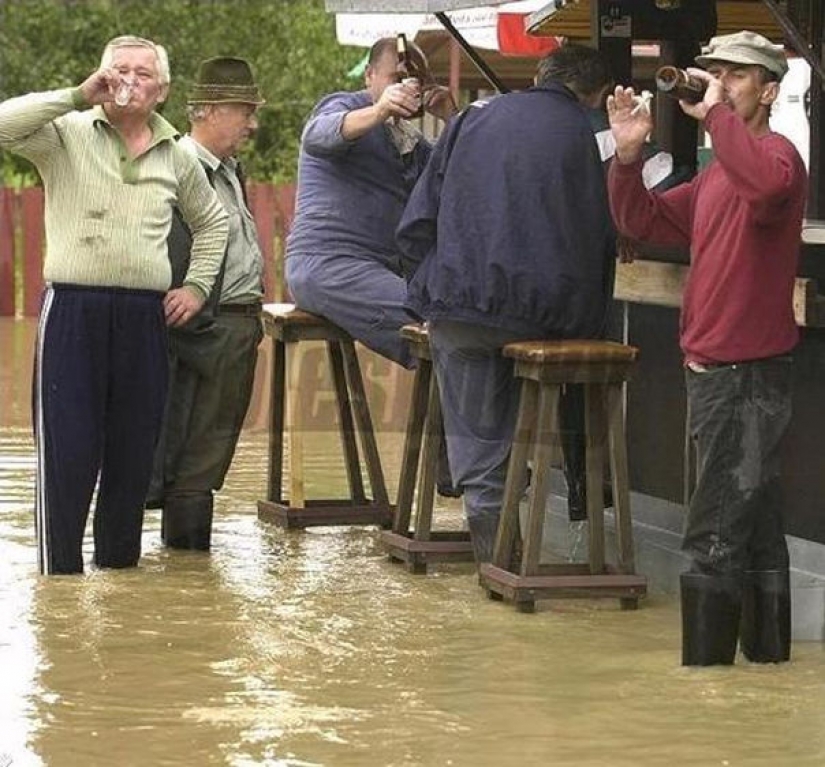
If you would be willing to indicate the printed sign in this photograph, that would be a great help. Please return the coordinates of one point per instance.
(615, 26)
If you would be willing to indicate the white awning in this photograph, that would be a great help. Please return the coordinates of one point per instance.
(402, 6)
(479, 25)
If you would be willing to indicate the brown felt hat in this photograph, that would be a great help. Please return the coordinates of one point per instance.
(225, 80)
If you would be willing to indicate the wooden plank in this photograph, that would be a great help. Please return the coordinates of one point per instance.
(346, 427)
(572, 19)
(433, 429)
(277, 421)
(363, 420)
(617, 450)
(297, 496)
(662, 284)
(595, 430)
(412, 448)
(284, 215)
(508, 527)
(546, 436)
(262, 207)
(650, 282)
(32, 223)
(7, 229)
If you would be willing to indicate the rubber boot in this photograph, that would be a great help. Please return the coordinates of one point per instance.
(711, 606)
(483, 537)
(765, 630)
(186, 521)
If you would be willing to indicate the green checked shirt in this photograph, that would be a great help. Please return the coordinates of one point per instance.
(108, 214)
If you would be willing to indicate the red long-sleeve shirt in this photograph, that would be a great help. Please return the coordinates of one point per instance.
(742, 218)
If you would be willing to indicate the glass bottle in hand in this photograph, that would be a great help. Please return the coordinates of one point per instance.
(407, 71)
(676, 82)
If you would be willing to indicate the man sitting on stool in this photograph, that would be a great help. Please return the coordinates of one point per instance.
(507, 237)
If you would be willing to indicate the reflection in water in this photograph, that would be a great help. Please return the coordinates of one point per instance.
(297, 649)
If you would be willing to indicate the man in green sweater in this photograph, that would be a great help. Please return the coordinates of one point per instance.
(112, 171)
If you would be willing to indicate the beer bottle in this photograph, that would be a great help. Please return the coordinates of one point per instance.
(679, 84)
(406, 69)
(404, 66)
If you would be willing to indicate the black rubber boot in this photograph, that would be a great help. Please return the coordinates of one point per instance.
(483, 537)
(765, 630)
(711, 606)
(186, 522)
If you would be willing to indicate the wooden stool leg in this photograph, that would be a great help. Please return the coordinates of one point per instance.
(618, 469)
(277, 403)
(595, 431)
(297, 495)
(363, 421)
(516, 472)
(429, 466)
(412, 448)
(546, 436)
(345, 423)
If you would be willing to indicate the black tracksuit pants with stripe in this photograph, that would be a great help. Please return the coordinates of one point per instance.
(99, 389)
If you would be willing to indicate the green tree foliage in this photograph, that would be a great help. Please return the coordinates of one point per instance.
(47, 44)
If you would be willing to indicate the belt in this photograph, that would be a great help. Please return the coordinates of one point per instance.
(705, 367)
(246, 310)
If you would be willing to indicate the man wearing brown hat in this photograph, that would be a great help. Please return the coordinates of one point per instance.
(741, 217)
(213, 356)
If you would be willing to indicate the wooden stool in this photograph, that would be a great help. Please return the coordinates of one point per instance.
(544, 366)
(288, 326)
(422, 545)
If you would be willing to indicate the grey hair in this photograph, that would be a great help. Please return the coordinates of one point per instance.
(131, 41)
(197, 112)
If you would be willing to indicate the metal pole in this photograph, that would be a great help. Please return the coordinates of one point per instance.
(482, 65)
(802, 46)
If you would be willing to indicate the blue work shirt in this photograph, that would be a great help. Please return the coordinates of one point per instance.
(351, 193)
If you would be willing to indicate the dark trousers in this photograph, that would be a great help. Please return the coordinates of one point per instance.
(98, 394)
(479, 404)
(205, 411)
(738, 416)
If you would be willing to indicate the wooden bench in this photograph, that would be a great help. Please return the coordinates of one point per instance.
(287, 327)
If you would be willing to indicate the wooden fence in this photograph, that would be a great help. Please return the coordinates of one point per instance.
(22, 242)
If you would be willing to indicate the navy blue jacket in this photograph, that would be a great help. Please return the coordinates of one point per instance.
(509, 224)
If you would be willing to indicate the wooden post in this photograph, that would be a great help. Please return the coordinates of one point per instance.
(816, 188)
(7, 229)
(32, 224)
(612, 28)
(262, 208)
(284, 215)
(455, 69)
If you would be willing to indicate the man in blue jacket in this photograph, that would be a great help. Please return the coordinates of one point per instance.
(507, 236)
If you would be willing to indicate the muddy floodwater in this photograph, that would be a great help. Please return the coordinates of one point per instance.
(310, 648)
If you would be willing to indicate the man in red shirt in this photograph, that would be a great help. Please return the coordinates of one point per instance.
(742, 219)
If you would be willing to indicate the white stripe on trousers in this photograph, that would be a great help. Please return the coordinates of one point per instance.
(41, 500)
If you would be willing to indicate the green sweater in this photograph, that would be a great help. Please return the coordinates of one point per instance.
(108, 214)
